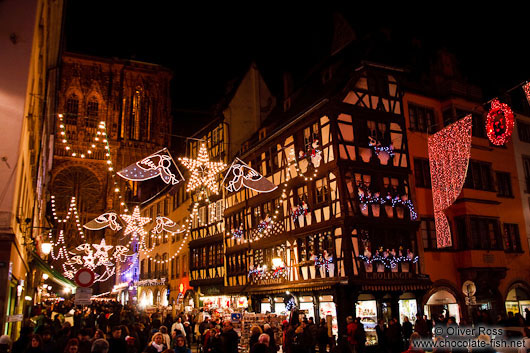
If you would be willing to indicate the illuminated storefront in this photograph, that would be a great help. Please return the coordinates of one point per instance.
(366, 311)
(442, 302)
(517, 301)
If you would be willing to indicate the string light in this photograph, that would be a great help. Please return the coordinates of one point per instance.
(203, 172)
(449, 153)
(366, 198)
(499, 123)
(389, 261)
(526, 88)
(135, 223)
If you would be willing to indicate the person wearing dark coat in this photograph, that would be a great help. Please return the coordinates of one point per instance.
(273, 347)
(380, 330)
(116, 343)
(263, 345)
(23, 341)
(407, 330)
(255, 332)
(322, 336)
(393, 336)
(181, 345)
(229, 338)
(35, 345)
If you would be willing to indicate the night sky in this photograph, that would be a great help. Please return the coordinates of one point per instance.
(206, 49)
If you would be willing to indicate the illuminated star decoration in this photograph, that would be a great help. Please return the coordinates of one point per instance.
(135, 223)
(203, 172)
(102, 252)
(449, 153)
(158, 164)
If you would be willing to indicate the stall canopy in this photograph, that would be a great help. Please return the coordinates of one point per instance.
(55, 276)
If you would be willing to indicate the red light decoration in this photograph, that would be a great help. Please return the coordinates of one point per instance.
(499, 123)
(449, 152)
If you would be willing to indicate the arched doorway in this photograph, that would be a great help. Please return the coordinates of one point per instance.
(517, 300)
(442, 302)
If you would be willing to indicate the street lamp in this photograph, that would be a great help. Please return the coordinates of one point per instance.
(45, 276)
(46, 248)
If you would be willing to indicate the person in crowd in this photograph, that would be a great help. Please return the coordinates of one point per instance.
(5, 344)
(100, 345)
(322, 336)
(35, 345)
(85, 345)
(48, 343)
(380, 331)
(180, 346)
(229, 338)
(312, 329)
(188, 332)
(421, 327)
(255, 332)
(527, 316)
(488, 348)
(72, 346)
(413, 342)
(288, 337)
(273, 347)
(131, 344)
(116, 342)
(179, 327)
(156, 345)
(167, 339)
(351, 328)
(263, 344)
(360, 335)
(407, 330)
(24, 340)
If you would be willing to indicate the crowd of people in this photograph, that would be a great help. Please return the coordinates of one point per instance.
(109, 327)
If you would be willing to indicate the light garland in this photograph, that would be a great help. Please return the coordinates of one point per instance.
(499, 123)
(366, 198)
(449, 153)
(72, 209)
(109, 219)
(378, 148)
(299, 211)
(203, 172)
(291, 304)
(101, 137)
(388, 261)
(238, 233)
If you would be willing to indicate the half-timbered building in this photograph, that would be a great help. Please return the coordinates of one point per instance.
(338, 235)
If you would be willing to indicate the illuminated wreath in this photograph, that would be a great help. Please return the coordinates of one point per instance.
(499, 124)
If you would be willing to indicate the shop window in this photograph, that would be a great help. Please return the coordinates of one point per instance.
(421, 118)
(428, 233)
(512, 240)
(504, 184)
(422, 173)
(517, 301)
(311, 134)
(366, 310)
(301, 193)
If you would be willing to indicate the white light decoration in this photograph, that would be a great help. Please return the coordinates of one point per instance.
(203, 172)
(46, 248)
(135, 223)
(449, 153)
(166, 224)
(240, 174)
(109, 219)
(157, 164)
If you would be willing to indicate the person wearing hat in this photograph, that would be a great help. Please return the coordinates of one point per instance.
(130, 341)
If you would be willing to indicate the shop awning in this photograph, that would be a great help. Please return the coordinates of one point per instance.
(54, 275)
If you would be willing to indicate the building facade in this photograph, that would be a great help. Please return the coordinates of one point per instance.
(487, 223)
(30, 56)
(111, 113)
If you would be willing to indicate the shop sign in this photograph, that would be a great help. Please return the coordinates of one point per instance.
(15, 318)
(235, 318)
(82, 296)
(389, 275)
(151, 282)
(211, 291)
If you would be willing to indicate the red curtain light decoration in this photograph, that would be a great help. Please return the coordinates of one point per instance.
(526, 88)
(449, 152)
(499, 123)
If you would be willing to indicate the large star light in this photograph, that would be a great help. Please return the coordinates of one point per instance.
(203, 172)
(135, 223)
(102, 252)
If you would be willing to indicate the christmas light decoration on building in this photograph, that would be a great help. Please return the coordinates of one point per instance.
(299, 211)
(526, 89)
(499, 123)
(135, 224)
(378, 148)
(238, 233)
(389, 261)
(240, 174)
(165, 224)
(449, 153)
(367, 198)
(109, 219)
(159, 164)
(203, 172)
